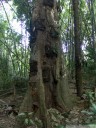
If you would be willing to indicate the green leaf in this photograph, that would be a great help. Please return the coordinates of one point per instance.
(21, 114)
(26, 122)
(31, 122)
(30, 113)
(92, 125)
(60, 126)
(93, 108)
(54, 118)
(87, 112)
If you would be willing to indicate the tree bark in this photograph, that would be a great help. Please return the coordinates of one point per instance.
(78, 69)
(49, 86)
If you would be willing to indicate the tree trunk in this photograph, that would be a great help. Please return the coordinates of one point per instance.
(93, 38)
(78, 70)
(49, 86)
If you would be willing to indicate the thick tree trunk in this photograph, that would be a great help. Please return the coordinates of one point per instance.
(78, 70)
(49, 87)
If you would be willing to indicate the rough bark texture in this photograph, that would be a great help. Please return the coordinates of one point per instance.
(26, 106)
(49, 86)
(78, 70)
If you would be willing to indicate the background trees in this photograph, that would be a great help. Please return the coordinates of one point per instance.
(14, 53)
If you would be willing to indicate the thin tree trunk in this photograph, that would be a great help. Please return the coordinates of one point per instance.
(78, 69)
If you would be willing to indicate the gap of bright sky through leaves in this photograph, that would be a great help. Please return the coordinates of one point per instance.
(16, 25)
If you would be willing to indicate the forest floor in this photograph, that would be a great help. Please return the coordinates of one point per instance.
(72, 119)
(7, 122)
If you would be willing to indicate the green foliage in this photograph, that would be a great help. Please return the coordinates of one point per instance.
(14, 54)
(93, 108)
(27, 119)
(23, 11)
(92, 125)
(55, 118)
(90, 96)
(91, 112)
(60, 126)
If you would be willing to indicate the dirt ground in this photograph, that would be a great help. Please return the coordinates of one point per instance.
(7, 122)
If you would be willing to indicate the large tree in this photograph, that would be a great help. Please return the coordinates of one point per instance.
(48, 86)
